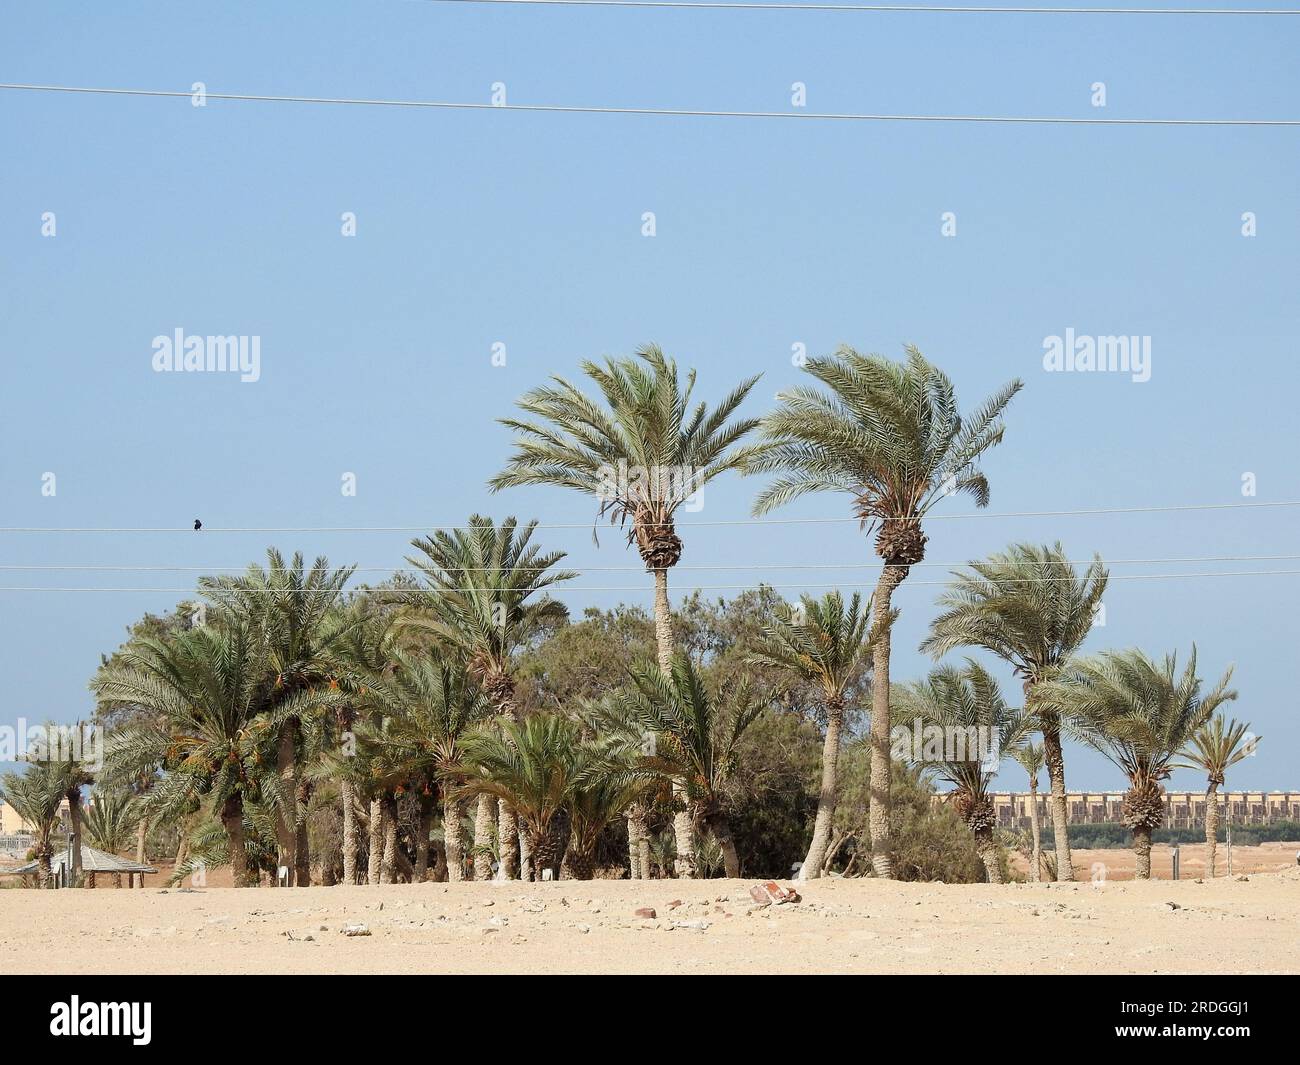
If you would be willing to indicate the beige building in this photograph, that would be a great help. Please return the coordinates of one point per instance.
(11, 824)
(1183, 809)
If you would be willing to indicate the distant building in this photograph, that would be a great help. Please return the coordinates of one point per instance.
(1183, 809)
(12, 824)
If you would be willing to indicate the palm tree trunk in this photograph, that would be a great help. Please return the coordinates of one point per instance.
(1142, 852)
(182, 851)
(301, 842)
(141, 832)
(1033, 824)
(682, 821)
(508, 841)
(636, 832)
(232, 820)
(347, 795)
(117, 880)
(821, 837)
(44, 870)
(878, 808)
(376, 856)
(542, 844)
(74, 817)
(988, 852)
(388, 866)
(1211, 827)
(453, 834)
(525, 856)
(1060, 813)
(720, 826)
(286, 765)
(422, 844)
(485, 818)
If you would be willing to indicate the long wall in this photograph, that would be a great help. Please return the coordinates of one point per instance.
(1183, 809)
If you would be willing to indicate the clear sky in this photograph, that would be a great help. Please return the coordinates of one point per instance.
(481, 227)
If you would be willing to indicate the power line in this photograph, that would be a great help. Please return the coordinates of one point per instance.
(672, 112)
(908, 9)
(559, 589)
(698, 567)
(327, 529)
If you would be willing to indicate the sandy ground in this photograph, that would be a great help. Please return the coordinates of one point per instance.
(1222, 926)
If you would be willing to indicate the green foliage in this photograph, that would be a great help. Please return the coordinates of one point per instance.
(646, 421)
(889, 434)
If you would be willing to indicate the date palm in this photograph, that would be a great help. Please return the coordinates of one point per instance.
(530, 765)
(205, 690)
(827, 644)
(1139, 714)
(1031, 608)
(696, 735)
(77, 775)
(483, 596)
(1031, 758)
(1215, 748)
(418, 714)
(642, 451)
(891, 436)
(975, 727)
(36, 794)
(110, 823)
(288, 609)
(361, 651)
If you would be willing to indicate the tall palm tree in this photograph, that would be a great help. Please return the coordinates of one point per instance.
(36, 794)
(76, 775)
(1031, 758)
(891, 436)
(976, 726)
(206, 689)
(1139, 714)
(1215, 748)
(482, 596)
(697, 733)
(287, 607)
(828, 645)
(1030, 607)
(110, 823)
(642, 454)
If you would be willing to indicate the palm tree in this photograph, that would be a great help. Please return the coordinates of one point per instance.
(482, 598)
(360, 654)
(607, 784)
(1215, 747)
(422, 711)
(206, 689)
(642, 453)
(696, 733)
(36, 794)
(1139, 714)
(976, 726)
(530, 765)
(1031, 758)
(287, 608)
(76, 775)
(110, 823)
(1031, 608)
(891, 436)
(825, 644)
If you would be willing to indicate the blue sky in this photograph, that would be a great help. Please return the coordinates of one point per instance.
(482, 227)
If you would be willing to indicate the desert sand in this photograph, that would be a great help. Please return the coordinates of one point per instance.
(1228, 925)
